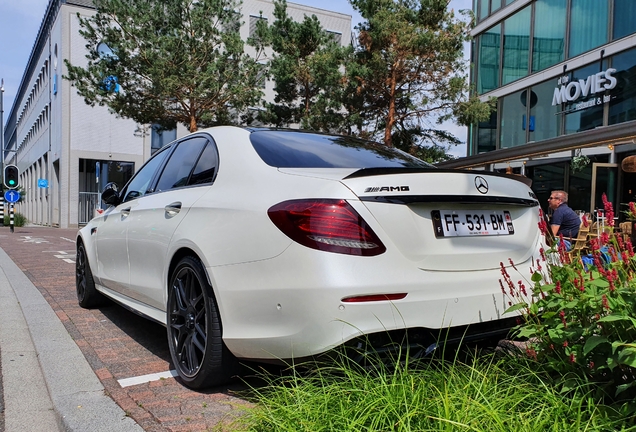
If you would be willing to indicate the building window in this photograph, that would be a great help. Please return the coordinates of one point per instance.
(484, 9)
(513, 120)
(588, 25)
(622, 106)
(253, 21)
(548, 41)
(624, 18)
(580, 117)
(488, 64)
(161, 137)
(516, 46)
(487, 134)
(335, 36)
(261, 75)
(543, 123)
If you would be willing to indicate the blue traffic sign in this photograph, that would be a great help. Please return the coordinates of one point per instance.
(43, 183)
(12, 196)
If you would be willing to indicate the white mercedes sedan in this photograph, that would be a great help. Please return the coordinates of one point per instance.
(270, 245)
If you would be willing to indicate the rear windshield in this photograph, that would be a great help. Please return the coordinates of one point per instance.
(294, 149)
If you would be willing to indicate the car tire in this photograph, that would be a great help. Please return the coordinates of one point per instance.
(194, 329)
(87, 295)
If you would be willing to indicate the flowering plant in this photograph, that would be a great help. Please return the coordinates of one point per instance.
(630, 213)
(580, 317)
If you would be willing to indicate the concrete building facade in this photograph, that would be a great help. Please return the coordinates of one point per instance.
(67, 151)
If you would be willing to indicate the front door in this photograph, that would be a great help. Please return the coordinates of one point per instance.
(604, 177)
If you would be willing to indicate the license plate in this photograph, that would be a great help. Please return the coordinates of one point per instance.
(466, 223)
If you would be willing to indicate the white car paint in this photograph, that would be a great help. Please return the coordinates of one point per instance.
(279, 299)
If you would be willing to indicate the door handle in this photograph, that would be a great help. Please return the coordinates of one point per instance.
(125, 212)
(173, 209)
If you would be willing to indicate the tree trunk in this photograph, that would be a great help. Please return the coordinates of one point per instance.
(390, 115)
(193, 124)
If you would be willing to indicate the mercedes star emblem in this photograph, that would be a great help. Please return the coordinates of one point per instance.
(481, 184)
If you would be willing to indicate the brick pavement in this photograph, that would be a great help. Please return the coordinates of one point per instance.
(118, 344)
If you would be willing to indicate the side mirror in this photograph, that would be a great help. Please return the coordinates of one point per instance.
(110, 194)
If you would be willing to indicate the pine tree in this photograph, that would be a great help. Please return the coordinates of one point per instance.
(307, 69)
(408, 74)
(167, 62)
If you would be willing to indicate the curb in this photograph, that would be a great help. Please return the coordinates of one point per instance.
(48, 383)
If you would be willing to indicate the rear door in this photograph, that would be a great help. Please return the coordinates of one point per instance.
(451, 220)
(185, 178)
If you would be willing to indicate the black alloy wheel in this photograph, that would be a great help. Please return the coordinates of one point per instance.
(87, 295)
(194, 329)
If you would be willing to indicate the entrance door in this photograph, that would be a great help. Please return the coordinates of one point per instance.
(603, 182)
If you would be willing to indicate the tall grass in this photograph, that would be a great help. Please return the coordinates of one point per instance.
(489, 393)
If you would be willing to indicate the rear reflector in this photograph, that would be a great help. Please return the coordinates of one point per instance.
(327, 225)
(374, 298)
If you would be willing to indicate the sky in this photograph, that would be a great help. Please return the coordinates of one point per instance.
(20, 22)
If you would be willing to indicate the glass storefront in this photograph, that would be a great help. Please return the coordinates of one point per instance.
(577, 119)
(513, 120)
(622, 106)
(544, 121)
(577, 101)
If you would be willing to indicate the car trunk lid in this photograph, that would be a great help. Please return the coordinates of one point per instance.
(451, 220)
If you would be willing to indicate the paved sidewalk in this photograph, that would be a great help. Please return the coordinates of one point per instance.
(48, 384)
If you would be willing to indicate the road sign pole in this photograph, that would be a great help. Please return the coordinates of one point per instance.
(11, 217)
(1, 210)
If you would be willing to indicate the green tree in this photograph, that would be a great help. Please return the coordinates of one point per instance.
(167, 62)
(307, 68)
(408, 74)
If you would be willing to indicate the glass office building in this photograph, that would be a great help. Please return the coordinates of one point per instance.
(564, 75)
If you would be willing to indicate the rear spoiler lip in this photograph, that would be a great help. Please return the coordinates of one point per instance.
(368, 172)
(464, 199)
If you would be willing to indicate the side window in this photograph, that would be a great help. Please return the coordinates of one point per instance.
(178, 169)
(141, 182)
(206, 166)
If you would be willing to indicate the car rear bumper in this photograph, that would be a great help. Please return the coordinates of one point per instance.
(272, 314)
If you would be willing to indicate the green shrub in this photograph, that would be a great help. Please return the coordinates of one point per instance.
(580, 319)
(19, 220)
(490, 393)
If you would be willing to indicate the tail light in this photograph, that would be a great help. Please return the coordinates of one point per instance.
(327, 225)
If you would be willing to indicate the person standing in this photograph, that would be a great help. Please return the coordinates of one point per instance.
(564, 220)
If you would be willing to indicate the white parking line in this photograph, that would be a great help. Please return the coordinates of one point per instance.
(127, 382)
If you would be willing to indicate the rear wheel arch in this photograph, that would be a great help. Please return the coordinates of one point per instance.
(194, 325)
(178, 256)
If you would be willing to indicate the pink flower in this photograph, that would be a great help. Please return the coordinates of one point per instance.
(557, 288)
(565, 324)
(604, 238)
(605, 302)
(609, 211)
(522, 288)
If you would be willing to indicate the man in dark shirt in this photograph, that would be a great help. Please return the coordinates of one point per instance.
(564, 220)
